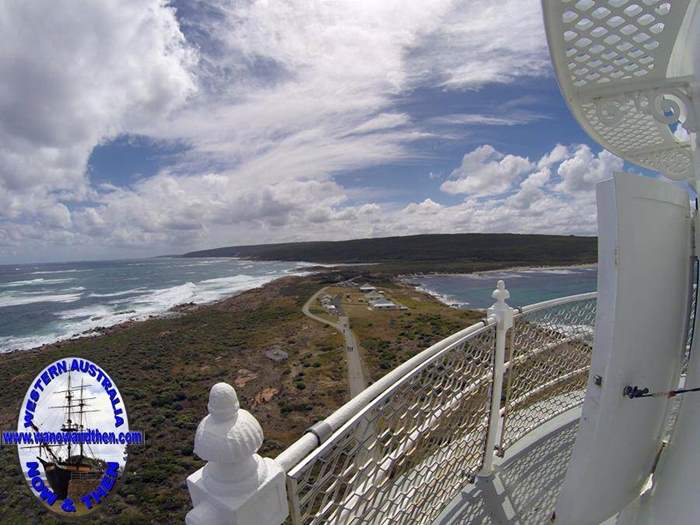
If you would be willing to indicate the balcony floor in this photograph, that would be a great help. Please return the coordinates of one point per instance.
(526, 482)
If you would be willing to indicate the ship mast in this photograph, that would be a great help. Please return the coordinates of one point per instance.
(70, 424)
(82, 406)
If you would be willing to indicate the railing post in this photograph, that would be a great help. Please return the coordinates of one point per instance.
(504, 321)
(236, 486)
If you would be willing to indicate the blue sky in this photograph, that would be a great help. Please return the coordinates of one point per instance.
(144, 127)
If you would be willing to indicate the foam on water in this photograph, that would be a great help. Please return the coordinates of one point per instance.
(118, 291)
(132, 291)
(72, 270)
(35, 282)
(17, 299)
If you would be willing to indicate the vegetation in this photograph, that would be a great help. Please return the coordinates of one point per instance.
(164, 369)
(428, 253)
(390, 337)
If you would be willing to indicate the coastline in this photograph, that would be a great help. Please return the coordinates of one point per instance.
(173, 311)
(312, 269)
(165, 366)
(452, 302)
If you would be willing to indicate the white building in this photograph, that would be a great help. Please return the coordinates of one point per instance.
(383, 304)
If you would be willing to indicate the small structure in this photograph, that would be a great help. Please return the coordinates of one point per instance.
(374, 296)
(367, 288)
(383, 304)
(276, 354)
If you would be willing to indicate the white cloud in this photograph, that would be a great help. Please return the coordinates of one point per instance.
(555, 196)
(73, 75)
(580, 172)
(557, 154)
(272, 99)
(486, 171)
(484, 42)
(513, 118)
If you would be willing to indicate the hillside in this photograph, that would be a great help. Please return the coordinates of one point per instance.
(424, 252)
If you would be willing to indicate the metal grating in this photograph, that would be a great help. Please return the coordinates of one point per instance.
(404, 457)
(614, 40)
(612, 60)
(550, 355)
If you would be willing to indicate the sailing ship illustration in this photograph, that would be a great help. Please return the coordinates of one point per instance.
(71, 469)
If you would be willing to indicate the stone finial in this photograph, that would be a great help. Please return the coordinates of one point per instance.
(500, 309)
(236, 486)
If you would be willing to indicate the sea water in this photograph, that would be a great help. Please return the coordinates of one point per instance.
(44, 303)
(526, 286)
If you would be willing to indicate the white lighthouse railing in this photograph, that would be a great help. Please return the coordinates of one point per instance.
(403, 448)
(401, 456)
(548, 360)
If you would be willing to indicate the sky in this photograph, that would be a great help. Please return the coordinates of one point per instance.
(132, 128)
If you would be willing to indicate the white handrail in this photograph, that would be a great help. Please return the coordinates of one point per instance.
(311, 440)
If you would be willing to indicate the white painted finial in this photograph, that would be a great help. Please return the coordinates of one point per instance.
(236, 485)
(500, 293)
(223, 402)
(500, 309)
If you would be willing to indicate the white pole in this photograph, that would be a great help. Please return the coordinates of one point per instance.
(504, 321)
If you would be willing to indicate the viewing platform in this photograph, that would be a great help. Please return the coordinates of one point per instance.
(477, 427)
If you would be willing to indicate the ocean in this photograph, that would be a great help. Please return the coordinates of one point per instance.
(44, 303)
(526, 286)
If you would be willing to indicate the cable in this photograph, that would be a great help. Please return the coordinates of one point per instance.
(634, 392)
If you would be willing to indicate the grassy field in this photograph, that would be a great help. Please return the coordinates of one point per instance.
(390, 337)
(164, 369)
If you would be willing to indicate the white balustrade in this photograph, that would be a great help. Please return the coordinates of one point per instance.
(236, 486)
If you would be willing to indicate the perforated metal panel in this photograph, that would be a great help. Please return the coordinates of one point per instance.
(611, 58)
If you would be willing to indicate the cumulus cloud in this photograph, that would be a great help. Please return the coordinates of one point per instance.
(555, 195)
(272, 100)
(73, 75)
(580, 172)
(486, 171)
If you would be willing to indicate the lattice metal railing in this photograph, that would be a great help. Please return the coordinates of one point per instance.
(407, 454)
(548, 361)
(409, 451)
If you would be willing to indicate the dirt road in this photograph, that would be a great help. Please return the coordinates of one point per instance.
(356, 377)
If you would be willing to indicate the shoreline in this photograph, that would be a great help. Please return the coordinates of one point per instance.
(446, 299)
(315, 269)
(578, 266)
(173, 312)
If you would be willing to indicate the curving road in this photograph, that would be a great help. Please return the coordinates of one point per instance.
(356, 377)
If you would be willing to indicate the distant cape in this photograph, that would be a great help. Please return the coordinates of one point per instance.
(437, 248)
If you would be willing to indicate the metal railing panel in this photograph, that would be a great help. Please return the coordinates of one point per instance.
(408, 453)
(548, 362)
(404, 448)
